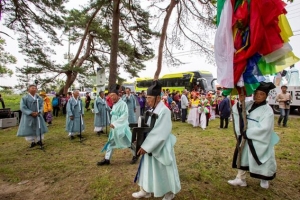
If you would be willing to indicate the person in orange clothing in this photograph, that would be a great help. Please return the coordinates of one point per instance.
(47, 108)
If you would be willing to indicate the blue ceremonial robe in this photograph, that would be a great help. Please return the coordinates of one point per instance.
(29, 126)
(131, 104)
(159, 173)
(260, 161)
(120, 136)
(101, 113)
(74, 108)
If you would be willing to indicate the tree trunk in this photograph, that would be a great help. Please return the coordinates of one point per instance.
(113, 65)
(72, 75)
(163, 38)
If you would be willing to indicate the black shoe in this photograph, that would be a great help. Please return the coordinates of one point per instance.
(39, 143)
(284, 125)
(72, 137)
(103, 162)
(98, 133)
(101, 131)
(33, 144)
(134, 159)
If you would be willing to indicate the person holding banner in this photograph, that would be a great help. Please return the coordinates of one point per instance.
(158, 171)
(32, 125)
(74, 117)
(257, 155)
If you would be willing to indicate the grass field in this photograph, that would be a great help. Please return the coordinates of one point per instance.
(67, 169)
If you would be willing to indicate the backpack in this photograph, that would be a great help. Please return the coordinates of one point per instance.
(55, 101)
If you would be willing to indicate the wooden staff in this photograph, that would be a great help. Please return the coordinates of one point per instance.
(241, 146)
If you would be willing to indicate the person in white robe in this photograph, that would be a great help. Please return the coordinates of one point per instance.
(158, 171)
(32, 125)
(101, 110)
(257, 156)
(120, 135)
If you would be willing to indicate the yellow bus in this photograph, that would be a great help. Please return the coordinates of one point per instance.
(180, 81)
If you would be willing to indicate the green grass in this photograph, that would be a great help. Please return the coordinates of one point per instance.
(12, 101)
(67, 169)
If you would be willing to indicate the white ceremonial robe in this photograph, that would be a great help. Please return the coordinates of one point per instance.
(263, 139)
(158, 173)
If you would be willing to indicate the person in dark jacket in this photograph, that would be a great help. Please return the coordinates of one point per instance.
(224, 111)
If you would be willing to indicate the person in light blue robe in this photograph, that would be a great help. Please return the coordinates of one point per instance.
(158, 171)
(74, 117)
(120, 134)
(257, 156)
(130, 100)
(102, 118)
(32, 123)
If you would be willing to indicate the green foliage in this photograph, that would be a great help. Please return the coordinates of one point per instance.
(134, 38)
(5, 60)
(12, 101)
(36, 24)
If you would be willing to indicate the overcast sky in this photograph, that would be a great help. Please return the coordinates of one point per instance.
(193, 62)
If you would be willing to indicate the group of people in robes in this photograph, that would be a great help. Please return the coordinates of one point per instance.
(157, 172)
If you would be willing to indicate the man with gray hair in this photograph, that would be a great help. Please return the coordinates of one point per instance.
(184, 105)
(75, 111)
(32, 125)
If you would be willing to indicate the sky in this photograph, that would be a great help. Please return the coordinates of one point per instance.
(192, 61)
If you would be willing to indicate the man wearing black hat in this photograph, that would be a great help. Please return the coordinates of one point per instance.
(158, 172)
(120, 134)
(258, 155)
(285, 99)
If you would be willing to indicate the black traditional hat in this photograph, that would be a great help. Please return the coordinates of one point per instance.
(154, 89)
(266, 87)
(114, 88)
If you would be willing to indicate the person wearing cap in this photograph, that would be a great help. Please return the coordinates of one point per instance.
(47, 108)
(158, 171)
(32, 124)
(120, 135)
(285, 99)
(257, 156)
(74, 117)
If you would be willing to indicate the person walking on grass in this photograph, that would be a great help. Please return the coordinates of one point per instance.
(285, 99)
(258, 155)
(120, 135)
(158, 171)
(32, 124)
(74, 117)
